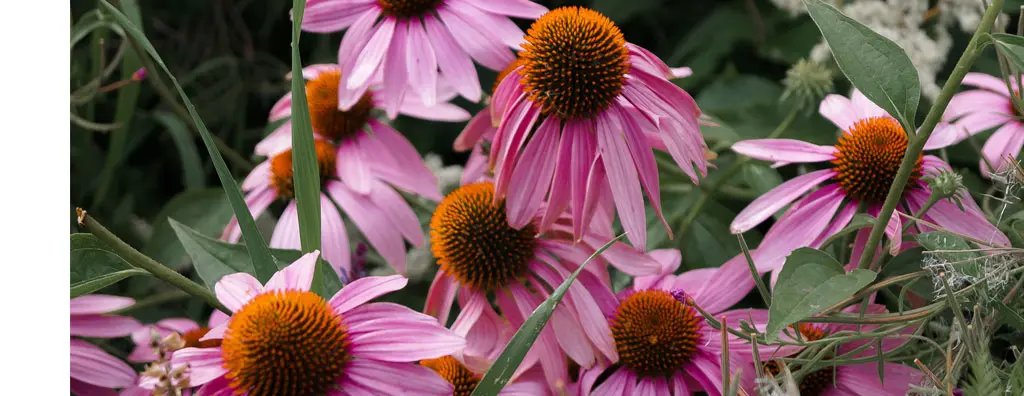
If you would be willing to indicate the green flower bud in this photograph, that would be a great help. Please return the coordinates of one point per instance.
(807, 82)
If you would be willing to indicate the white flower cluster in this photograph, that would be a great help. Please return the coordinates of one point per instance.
(923, 32)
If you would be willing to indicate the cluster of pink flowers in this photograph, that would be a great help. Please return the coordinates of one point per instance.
(564, 147)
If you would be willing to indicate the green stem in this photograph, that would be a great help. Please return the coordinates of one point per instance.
(139, 260)
(761, 288)
(931, 120)
(728, 173)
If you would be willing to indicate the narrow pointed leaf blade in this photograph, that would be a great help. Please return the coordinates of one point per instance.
(306, 173)
(874, 64)
(262, 260)
(501, 371)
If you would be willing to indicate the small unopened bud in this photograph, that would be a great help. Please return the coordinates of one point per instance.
(807, 82)
(681, 296)
(139, 75)
(948, 185)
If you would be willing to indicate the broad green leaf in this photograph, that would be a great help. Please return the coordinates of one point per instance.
(206, 211)
(874, 64)
(859, 221)
(214, 258)
(99, 282)
(501, 371)
(304, 162)
(810, 281)
(92, 263)
(262, 260)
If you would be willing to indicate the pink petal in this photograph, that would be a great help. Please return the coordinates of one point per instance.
(475, 129)
(352, 166)
(394, 66)
(617, 384)
(480, 44)
(103, 326)
(584, 150)
(970, 221)
(390, 154)
(510, 138)
(257, 201)
(297, 275)
(332, 16)
(402, 337)
(354, 42)
(365, 376)
(862, 379)
(372, 222)
(643, 158)
(725, 287)
(865, 107)
(784, 151)
(503, 28)
(561, 182)
(1005, 144)
(334, 237)
(421, 65)
(365, 289)
(456, 66)
(441, 296)
(799, 227)
(92, 365)
(766, 205)
(838, 109)
(372, 54)
(439, 112)
(516, 8)
(623, 179)
(530, 180)
(205, 364)
(985, 81)
(398, 212)
(235, 290)
(286, 232)
(98, 304)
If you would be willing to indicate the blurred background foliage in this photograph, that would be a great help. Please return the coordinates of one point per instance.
(137, 161)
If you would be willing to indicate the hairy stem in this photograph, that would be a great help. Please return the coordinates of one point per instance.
(963, 65)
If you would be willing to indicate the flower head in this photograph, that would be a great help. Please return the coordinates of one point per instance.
(987, 106)
(282, 339)
(423, 47)
(862, 168)
(578, 119)
(362, 161)
(480, 255)
(664, 345)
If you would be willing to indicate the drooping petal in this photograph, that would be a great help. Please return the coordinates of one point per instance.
(441, 296)
(1003, 146)
(421, 64)
(397, 162)
(530, 181)
(985, 81)
(331, 16)
(372, 222)
(334, 237)
(286, 232)
(352, 166)
(799, 227)
(623, 179)
(103, 326)
(257, 201)
(514, 8)
(454, 63)
(372, 54)
(862, 379)
(401, 337)
(482, 45)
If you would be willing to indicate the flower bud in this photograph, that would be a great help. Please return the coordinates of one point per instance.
(806, 84)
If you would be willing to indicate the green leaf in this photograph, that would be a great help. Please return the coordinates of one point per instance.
(760, 177)
(206, 211)
(1009, 316)
(501, 372)
(874, 64)
(93, 263)
(810, 281)
(304, 162)
(99, 282)
(859, 221)
(213, 258)
(1011, 46)
(191, 165)
(262, 260)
